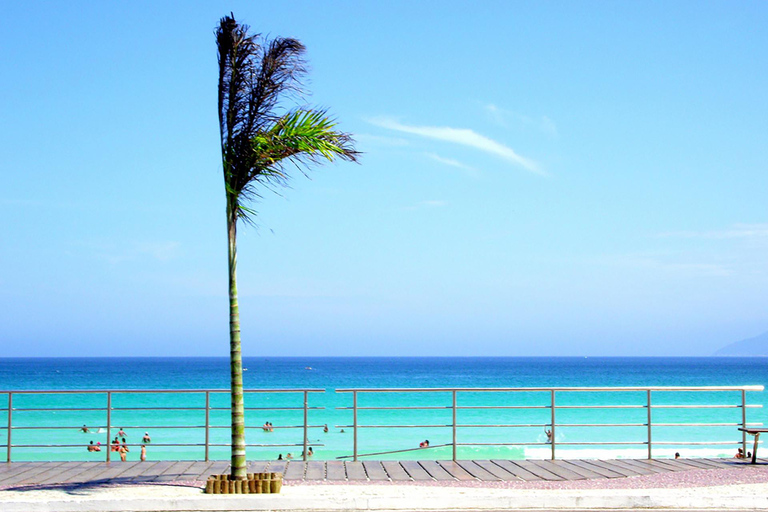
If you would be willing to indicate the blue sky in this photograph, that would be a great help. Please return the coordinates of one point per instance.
(540, 178)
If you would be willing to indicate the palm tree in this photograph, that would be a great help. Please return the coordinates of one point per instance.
(258, 140)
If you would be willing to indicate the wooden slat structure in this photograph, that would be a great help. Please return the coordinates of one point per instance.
(25, 474)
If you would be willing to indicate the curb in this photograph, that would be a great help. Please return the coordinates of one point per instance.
(249, 503)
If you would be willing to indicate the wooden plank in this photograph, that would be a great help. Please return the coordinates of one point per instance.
(456, 471)
(697, 464)
(315, 470)
(565, 470)
(15, 469)
(673, 465)
(172, 473)
(355, 471)
(648, 465)
(374, 470)
(220, 467)
(294, 470)
(537, 470)
(275, 466)
(597, 469)
(497, 471)
(715, 463)
(416, 472)
(72, 475)
(522, 474)
(334, 470)
(629, 468)
(199, 470)
(29, 474)
(55, 472)
(114, 470)
(476, 471)
(258, 466)
(436, 471)
(92, 473)
(395, 471)
(619, 471)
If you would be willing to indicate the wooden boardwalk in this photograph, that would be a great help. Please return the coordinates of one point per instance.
(23, 474)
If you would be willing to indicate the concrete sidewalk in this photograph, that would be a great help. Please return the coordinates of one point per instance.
(383, 498)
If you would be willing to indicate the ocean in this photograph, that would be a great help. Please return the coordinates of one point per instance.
(284, 412)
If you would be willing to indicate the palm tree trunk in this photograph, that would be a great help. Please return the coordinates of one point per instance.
(235, 356)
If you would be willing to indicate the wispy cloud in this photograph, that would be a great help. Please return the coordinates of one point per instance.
(430, 203)
(464, 137)
(662, 264)
(117, 253)
(378, 140)
(747, 231)
(505, 117)
(451, 163)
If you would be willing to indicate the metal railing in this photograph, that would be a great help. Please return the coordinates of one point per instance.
(552, 405)
(108, 425)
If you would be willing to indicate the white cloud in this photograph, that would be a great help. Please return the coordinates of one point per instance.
(504, 117)
(430, 203)
(661, 263)
(464, 137)
(118, 253)
(378, 140)
(451, 162)
(737, 231)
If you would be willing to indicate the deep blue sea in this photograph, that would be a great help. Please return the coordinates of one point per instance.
(529, 410)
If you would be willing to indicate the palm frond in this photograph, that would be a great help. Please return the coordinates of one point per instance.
(257, 140)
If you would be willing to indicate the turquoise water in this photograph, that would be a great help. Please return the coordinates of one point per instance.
(329, 374)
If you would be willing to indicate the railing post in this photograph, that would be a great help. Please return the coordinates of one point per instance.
(650, 439)
(552, 438)
(10, 425)
(743, 421)
(306, 433)
(207, 423)
(354, 425)
(454, 425)
(108, 448)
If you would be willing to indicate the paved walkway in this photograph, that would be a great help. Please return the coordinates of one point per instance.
(21, 474)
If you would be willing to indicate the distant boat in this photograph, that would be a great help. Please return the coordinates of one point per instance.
(308, 368)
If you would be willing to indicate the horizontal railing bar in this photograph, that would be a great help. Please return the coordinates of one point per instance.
(145, 427)
(558, 443)
(261, 427)
(122, 391)
(155, 408)
(104, 447)
(696, 424)
(538, 389)
(508, 425)
(271, 408)
(504, 407)
(559, 425)
(669, 406)
(414, 407)
(15, 409)
(672, 443)
(396, 426)
(601, 407)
